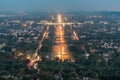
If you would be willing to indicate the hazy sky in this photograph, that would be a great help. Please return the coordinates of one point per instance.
(59, 5)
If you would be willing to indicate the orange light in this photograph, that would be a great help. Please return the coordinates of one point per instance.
(60, 49)
(33, 61)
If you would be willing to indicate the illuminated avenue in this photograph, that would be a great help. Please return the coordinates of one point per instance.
(60, 49)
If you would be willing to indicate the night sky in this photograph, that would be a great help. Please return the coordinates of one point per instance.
(59, 5)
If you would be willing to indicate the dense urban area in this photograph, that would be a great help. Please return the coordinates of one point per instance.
(93, 41)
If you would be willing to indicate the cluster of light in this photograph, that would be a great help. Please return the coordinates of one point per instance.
(35, 58)
(28, 56)
(59, 21)
(59, 18)
(59, 56)
(61, 34)
(63, 50)
(75, 36)
(33, 61)
(60, 49)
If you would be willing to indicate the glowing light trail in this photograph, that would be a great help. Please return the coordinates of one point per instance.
(75, 36)
(45, 35)
(33, 61)
(60, 49)
(35, 58)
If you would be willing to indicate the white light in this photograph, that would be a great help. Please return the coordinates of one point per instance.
(59, 18)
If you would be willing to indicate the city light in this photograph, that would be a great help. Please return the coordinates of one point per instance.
(33, 61)
(35, 58)
(75, 36)
(60, 49)
(45, 35)
(59, 40)
(59, 18)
